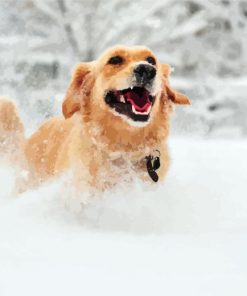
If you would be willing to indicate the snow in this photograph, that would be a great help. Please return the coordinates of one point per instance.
(187, 237)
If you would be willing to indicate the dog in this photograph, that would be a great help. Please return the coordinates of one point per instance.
(114, 126)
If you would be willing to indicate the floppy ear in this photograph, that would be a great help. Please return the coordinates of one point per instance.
(173, 95)
(77, 88)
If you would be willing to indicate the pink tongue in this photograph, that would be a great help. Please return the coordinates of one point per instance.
(141, 101)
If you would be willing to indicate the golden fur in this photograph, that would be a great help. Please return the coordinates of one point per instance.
(99, 147)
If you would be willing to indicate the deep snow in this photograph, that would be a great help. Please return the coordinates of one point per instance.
(187, 237)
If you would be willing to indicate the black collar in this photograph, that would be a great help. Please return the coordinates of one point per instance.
(153, 163)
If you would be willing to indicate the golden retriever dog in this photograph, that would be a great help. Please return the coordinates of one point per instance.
(115, 122)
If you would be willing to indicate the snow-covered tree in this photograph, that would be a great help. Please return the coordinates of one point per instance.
(205, 41)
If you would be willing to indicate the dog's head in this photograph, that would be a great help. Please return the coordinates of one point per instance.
(127, 84)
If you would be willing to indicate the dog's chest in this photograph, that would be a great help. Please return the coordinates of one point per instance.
(123, 167)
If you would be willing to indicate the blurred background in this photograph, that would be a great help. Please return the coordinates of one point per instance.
(204, 40)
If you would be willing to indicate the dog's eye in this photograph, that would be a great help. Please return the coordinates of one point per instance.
(115, 60)
(151, 60)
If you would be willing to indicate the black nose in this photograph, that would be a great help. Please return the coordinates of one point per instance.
(144, 73)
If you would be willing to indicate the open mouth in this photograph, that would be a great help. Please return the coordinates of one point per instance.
(136, 103)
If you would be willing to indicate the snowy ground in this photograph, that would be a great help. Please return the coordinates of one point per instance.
(188, 237)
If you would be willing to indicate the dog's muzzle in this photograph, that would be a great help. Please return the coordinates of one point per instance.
(136, 101)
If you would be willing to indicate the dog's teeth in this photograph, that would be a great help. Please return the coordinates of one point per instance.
(133, 109)
(148, 110)
(122, 100)
(131, 87)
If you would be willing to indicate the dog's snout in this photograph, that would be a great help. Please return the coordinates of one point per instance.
(144, 72)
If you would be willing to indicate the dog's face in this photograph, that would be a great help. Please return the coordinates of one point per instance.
(129, 82)
(125, 83)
